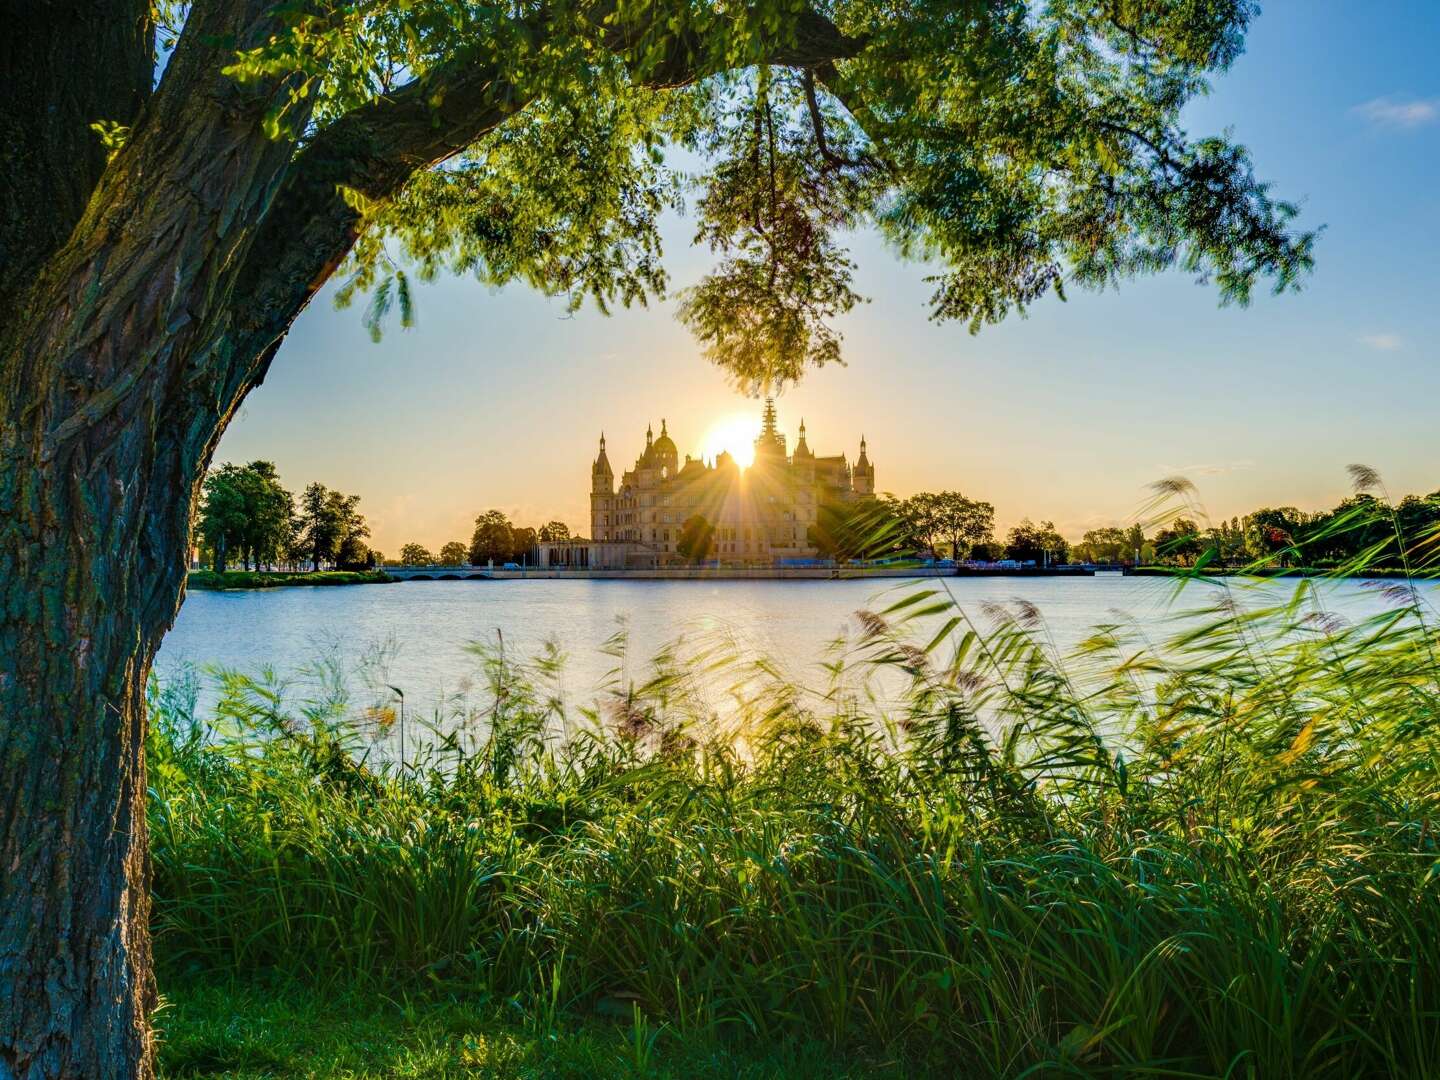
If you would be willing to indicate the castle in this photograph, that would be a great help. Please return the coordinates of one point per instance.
(760, 516)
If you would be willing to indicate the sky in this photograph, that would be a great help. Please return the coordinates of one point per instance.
(496, 398)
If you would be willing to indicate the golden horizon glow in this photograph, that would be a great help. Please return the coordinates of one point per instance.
(734, 433)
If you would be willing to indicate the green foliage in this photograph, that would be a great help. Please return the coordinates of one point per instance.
(493, 539)
(958, 852)
(772, 208)
(862, 530)
(268, 1031)
(330, 528)
(1368, 533)
(697, 539)
(416, 555)
(250, 579)
(554, 532)
(1029, 542)
(1017, 148)
(454, 553)
(947, 519)
(245, 513)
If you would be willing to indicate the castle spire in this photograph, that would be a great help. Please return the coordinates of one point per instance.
(864, 473)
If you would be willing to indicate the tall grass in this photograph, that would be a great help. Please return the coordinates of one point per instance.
(1211, 856)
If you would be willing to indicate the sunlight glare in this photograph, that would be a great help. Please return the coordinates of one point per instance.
(735, 433)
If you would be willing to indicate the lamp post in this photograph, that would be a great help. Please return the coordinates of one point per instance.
(401, 695)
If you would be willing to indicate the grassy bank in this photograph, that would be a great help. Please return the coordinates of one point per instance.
(954, 853)
(271, 579)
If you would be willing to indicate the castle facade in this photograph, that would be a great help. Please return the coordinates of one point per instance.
(758, 516)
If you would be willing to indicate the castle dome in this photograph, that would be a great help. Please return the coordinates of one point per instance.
(664, 450)
(664, 444)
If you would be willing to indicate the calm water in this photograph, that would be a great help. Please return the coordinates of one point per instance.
(414, 634)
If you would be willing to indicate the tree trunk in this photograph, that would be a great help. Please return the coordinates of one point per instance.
(115, 383)
(74, 934)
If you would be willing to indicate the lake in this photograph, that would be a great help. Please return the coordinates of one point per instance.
(414, 635)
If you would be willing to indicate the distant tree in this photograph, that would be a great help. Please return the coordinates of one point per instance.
(331, 528)
(493, 539)
(985, 551)
(961, 522)
(1277, 531)
(1418, 518)
(1105, 545)
(222, 514)
(697, 539)
(246, 514)
(523, 539)
(1180, 541)
(1029, 542)
(554, 532)
(416, 555)
(319, 528)
(1135, 542)
(453, 554)
(920, 516)
(268, 512)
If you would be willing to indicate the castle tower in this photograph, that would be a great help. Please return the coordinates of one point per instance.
(802, 449)
(770, 444)
(602, 496)
(665, 455)
(863, 474)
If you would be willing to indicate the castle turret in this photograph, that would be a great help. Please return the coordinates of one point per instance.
(602, 496)
(602, 477)
(863, 475)
(802, 449)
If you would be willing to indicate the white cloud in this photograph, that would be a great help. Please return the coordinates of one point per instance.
(1396, 113)
(1212, 468)
(1383, 342)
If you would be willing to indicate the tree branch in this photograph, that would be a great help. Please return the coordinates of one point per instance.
(376, 148)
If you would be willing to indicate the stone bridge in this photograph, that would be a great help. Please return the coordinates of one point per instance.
(446, 573)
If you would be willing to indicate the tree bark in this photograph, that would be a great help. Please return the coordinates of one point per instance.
(106, 424)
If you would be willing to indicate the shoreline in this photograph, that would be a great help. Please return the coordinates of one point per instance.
(246, 580)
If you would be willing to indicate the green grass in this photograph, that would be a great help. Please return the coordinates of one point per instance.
(259, 1031)
(267, 579)
(952, 852)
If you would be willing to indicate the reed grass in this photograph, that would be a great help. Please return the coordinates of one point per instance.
(1214, 855)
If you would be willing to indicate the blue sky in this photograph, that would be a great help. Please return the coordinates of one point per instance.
(495, 399)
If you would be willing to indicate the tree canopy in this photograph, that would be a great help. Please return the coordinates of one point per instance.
(1017, 148)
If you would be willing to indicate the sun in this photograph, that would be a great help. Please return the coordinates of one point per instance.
(735, 434)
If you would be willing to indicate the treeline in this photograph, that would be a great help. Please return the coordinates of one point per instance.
(495, 540)
(1366, 529)
(249, 519)
(932, 525)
